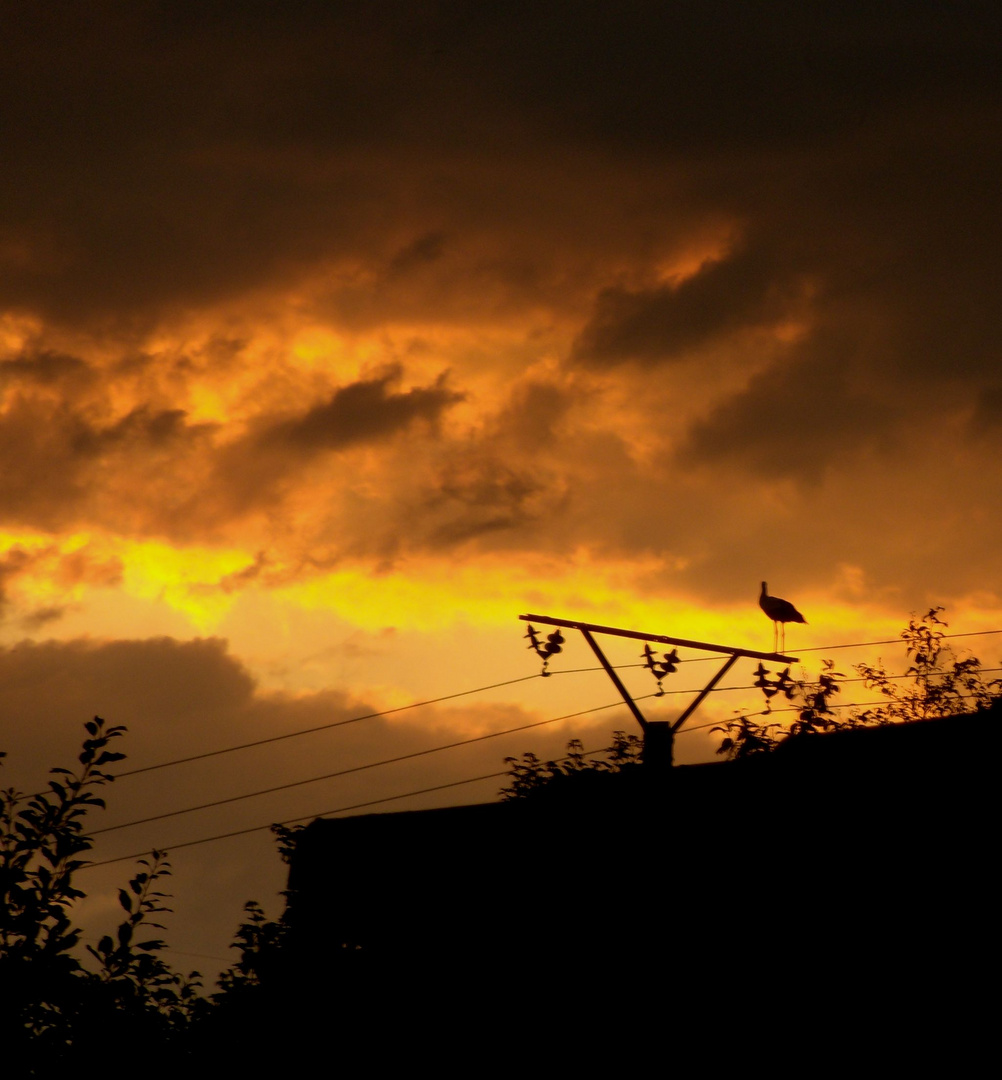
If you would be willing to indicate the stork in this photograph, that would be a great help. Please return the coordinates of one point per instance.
(781, 612)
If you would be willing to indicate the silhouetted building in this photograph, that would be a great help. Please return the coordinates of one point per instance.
(865, 855)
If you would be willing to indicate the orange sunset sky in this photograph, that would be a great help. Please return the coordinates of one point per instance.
(334, 336)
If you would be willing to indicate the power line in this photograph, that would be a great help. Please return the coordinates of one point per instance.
(304, 817)
(322, 727)
(432, 701)
(478, 690)
(892, 641)
(432, 750)
(421, 791)
(358, 768)
(841, 682)
(340, 809)
(813, 648)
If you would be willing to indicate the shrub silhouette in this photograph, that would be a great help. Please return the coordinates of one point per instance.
(936, 685)
(55, 1008)
(529, 776)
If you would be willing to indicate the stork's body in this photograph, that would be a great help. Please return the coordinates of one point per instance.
(781, 612)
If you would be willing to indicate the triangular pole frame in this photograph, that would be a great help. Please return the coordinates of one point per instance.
(659, 735)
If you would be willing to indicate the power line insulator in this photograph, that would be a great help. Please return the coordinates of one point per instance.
(545, 649)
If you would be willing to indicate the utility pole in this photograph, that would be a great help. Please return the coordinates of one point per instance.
(659, 735)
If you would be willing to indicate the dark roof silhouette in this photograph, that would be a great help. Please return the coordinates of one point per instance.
(861, 859)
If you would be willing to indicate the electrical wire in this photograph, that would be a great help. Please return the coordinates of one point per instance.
(293, 821)
(323, 727)
(423, 791)
(478, 690)
(813, 648)
(892, 641)
(420, 753)
(841, 682)
(357, 768)
(337, 810)
(458, 743)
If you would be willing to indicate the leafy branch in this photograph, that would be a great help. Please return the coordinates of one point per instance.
(936, 684)
(41, 841)
(52, 1000)
(530, 775)
(940, 683)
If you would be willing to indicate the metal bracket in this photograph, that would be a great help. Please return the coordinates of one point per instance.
(657, 750)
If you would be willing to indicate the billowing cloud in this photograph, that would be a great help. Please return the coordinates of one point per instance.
(63, 572)
(361, 412)
(987, 415)
(795, 419)
(278, 458)
(65, 464)
(45, 368)
(745, 290)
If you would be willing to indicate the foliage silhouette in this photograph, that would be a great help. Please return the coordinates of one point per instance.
(744, 738)
(531, 776)
(260, 941)
(39, 847)
(940, 683)
(937, 685)
(56, 1009)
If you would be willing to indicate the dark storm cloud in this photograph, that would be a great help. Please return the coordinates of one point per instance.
(987, 415)
(483, 487)
(425, 249)
(41, 482)
(697, 78)
(142, 426)
(541, 169)
(58, 463)
(45, 368)
(41, 617)
(488, 488)
(246, 576)
(534, 414)
(794, 419)
(738, 292)
(157, 156)
(495, 485)
(64, 459)
(476, 497)
(256, 471)
(363, 411)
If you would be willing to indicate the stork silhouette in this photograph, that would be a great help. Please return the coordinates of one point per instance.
(781, 612)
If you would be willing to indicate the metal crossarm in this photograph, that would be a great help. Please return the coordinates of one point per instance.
(664, 744)
(706, 646)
